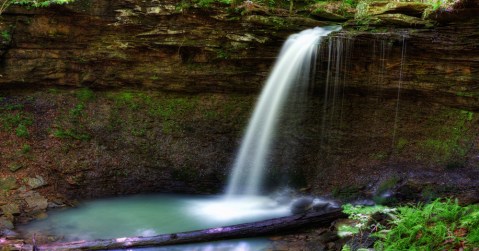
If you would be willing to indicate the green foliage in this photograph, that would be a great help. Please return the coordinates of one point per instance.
(387, 184)
(22, 131)
(85, 94)
(362, 213)
(200, 3)
(168, 111)
(222, 54)
(362, 10)
(26, 149)
(383, 187)
(352, 3)
(8, 183)
(125, 98)
(71, 125)
(435, 226)
(12, 107)
(439, 4)
(362, 216)
(17, 121)
(70, 134)
(13, 119)
(439, 225)
(207, 3)
(40, 3)
(401, 144)
(451, 137)
(77, 110)
(53, 90)
(4, 4)
(347, 230)
(6, 36)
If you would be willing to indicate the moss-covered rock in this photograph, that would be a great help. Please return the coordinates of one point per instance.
(35, 202)
(323, 14)
(334, 11)
(10, 209)
(8, 183)
(414, 9)
(401, 20)
(5, 223)
(35, 182)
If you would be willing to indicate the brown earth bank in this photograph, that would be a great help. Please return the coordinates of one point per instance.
(106, 98)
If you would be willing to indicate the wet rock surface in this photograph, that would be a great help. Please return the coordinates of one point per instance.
(305, 205)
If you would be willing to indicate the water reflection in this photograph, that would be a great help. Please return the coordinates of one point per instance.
(232, 245)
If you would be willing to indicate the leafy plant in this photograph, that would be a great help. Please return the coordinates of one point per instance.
(85, 94)
(77, 110)
(70, 134)
(204, 3)
(22, 131)
(435, 226)
(72, 124)
(26, 149)
(6, 36)
(17, 121)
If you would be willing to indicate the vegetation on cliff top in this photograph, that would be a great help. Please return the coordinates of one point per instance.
(4, 4)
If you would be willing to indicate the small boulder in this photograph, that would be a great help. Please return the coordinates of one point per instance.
(321, 206)
(309, 204)
(5, 223)
(302, 205)
(15, 167)
(36, 182)
(10, 209)
(35, 201)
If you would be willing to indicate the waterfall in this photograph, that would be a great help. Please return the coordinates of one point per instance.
(293, 67)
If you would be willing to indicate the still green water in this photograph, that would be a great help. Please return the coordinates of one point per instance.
(149, 215)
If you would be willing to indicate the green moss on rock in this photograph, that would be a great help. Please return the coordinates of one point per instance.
(8, 183)
(451, 139)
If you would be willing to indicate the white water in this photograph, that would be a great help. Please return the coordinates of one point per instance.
(293, 67)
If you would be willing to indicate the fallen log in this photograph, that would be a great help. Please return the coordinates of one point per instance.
(255, 229)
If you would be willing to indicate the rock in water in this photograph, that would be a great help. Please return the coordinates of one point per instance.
(5, 224)
(302, 205)
(321, 205)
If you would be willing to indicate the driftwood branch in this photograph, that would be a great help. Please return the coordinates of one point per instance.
(255, 229)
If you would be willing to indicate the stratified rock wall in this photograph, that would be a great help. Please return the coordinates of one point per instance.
(158, 45)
